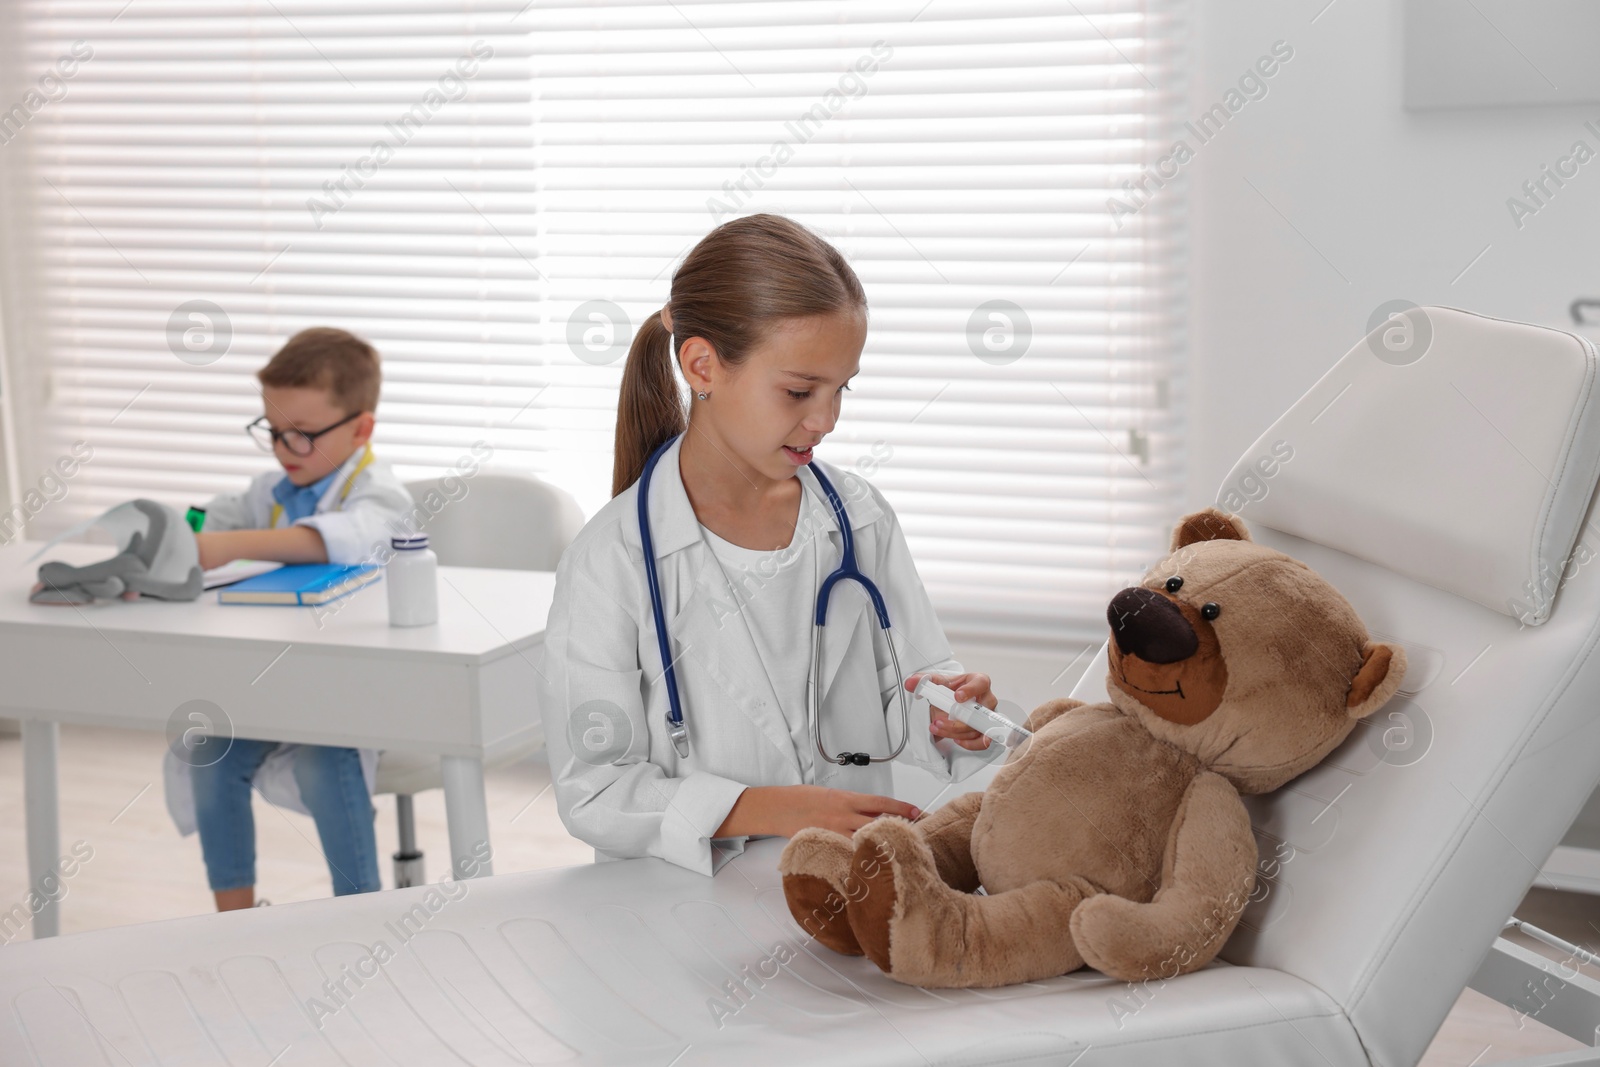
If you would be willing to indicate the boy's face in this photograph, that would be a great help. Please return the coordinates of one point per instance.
(310, 409)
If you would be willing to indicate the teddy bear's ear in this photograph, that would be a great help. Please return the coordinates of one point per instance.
(1383, 668)
(1208, 525)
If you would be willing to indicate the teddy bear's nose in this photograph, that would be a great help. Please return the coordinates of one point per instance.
(1148, 625)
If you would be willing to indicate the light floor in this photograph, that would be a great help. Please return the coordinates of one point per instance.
(141, 870)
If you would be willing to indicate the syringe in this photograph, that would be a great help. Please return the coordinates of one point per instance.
(991, 724)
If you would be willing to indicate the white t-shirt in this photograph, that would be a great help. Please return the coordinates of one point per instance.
(776, 592)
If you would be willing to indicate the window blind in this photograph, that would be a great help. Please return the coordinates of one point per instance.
(260, 167)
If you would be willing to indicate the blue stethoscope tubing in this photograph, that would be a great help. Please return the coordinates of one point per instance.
(847, 570)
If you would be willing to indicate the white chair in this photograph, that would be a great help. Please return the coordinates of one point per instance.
(508, 521)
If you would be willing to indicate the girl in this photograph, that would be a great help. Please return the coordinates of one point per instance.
(766, 323)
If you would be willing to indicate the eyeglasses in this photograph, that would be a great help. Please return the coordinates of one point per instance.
(299, 442)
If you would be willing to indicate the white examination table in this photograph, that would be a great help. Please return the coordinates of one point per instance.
(1426, 490)
(610, 963)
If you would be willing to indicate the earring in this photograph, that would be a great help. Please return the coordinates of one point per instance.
(703, 396)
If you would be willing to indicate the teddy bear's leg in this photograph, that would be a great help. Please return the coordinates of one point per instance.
(948, 832)
(816, 880)
(816, 870)
(1207, 875)
(920, 931)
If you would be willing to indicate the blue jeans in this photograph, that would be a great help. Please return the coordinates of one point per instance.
(332, 787)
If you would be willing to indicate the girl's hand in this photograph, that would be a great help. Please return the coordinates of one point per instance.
(788, 809)
(969, 686)
(838, 809)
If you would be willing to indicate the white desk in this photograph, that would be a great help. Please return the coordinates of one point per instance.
(457, 688)
(635, 962)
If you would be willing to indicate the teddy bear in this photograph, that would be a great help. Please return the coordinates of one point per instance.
(1115, 836)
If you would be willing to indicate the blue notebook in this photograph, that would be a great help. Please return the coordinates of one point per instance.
(300, 584)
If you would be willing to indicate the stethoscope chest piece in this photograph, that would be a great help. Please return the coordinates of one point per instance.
(679, 735)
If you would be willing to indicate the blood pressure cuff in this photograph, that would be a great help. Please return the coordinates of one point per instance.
(156, 556)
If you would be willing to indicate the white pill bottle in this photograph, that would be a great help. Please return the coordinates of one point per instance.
(412, 575)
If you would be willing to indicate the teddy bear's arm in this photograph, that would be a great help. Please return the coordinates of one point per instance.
(1207, 875)
(1049, 710)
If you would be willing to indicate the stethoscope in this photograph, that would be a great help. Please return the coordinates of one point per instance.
(847, 569)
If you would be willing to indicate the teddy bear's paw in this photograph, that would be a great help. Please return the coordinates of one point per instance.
(815, 865)
(1131, 941)
(894, 886)
(873, 890)
(821, 912)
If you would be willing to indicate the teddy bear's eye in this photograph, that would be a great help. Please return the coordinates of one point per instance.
(1210, 610)
(1174, 584)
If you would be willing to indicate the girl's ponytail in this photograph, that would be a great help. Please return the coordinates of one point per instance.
(650, 407)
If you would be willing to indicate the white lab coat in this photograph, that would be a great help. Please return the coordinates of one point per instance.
(600, 645)
(354, 530)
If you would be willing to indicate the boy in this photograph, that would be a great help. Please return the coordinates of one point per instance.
(335, 503)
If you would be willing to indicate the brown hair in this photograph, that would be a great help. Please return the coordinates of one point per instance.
(741, 281)
(324, 357)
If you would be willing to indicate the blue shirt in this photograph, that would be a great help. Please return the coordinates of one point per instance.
(301, 500)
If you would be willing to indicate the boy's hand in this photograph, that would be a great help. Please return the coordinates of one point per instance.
(969, 686)
(296, 544)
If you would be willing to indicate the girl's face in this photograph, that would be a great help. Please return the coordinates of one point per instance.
(785, 398)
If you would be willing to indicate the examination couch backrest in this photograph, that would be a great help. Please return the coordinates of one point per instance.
(1441, 475)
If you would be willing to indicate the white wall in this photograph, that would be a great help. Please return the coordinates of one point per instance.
(1399, 202)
